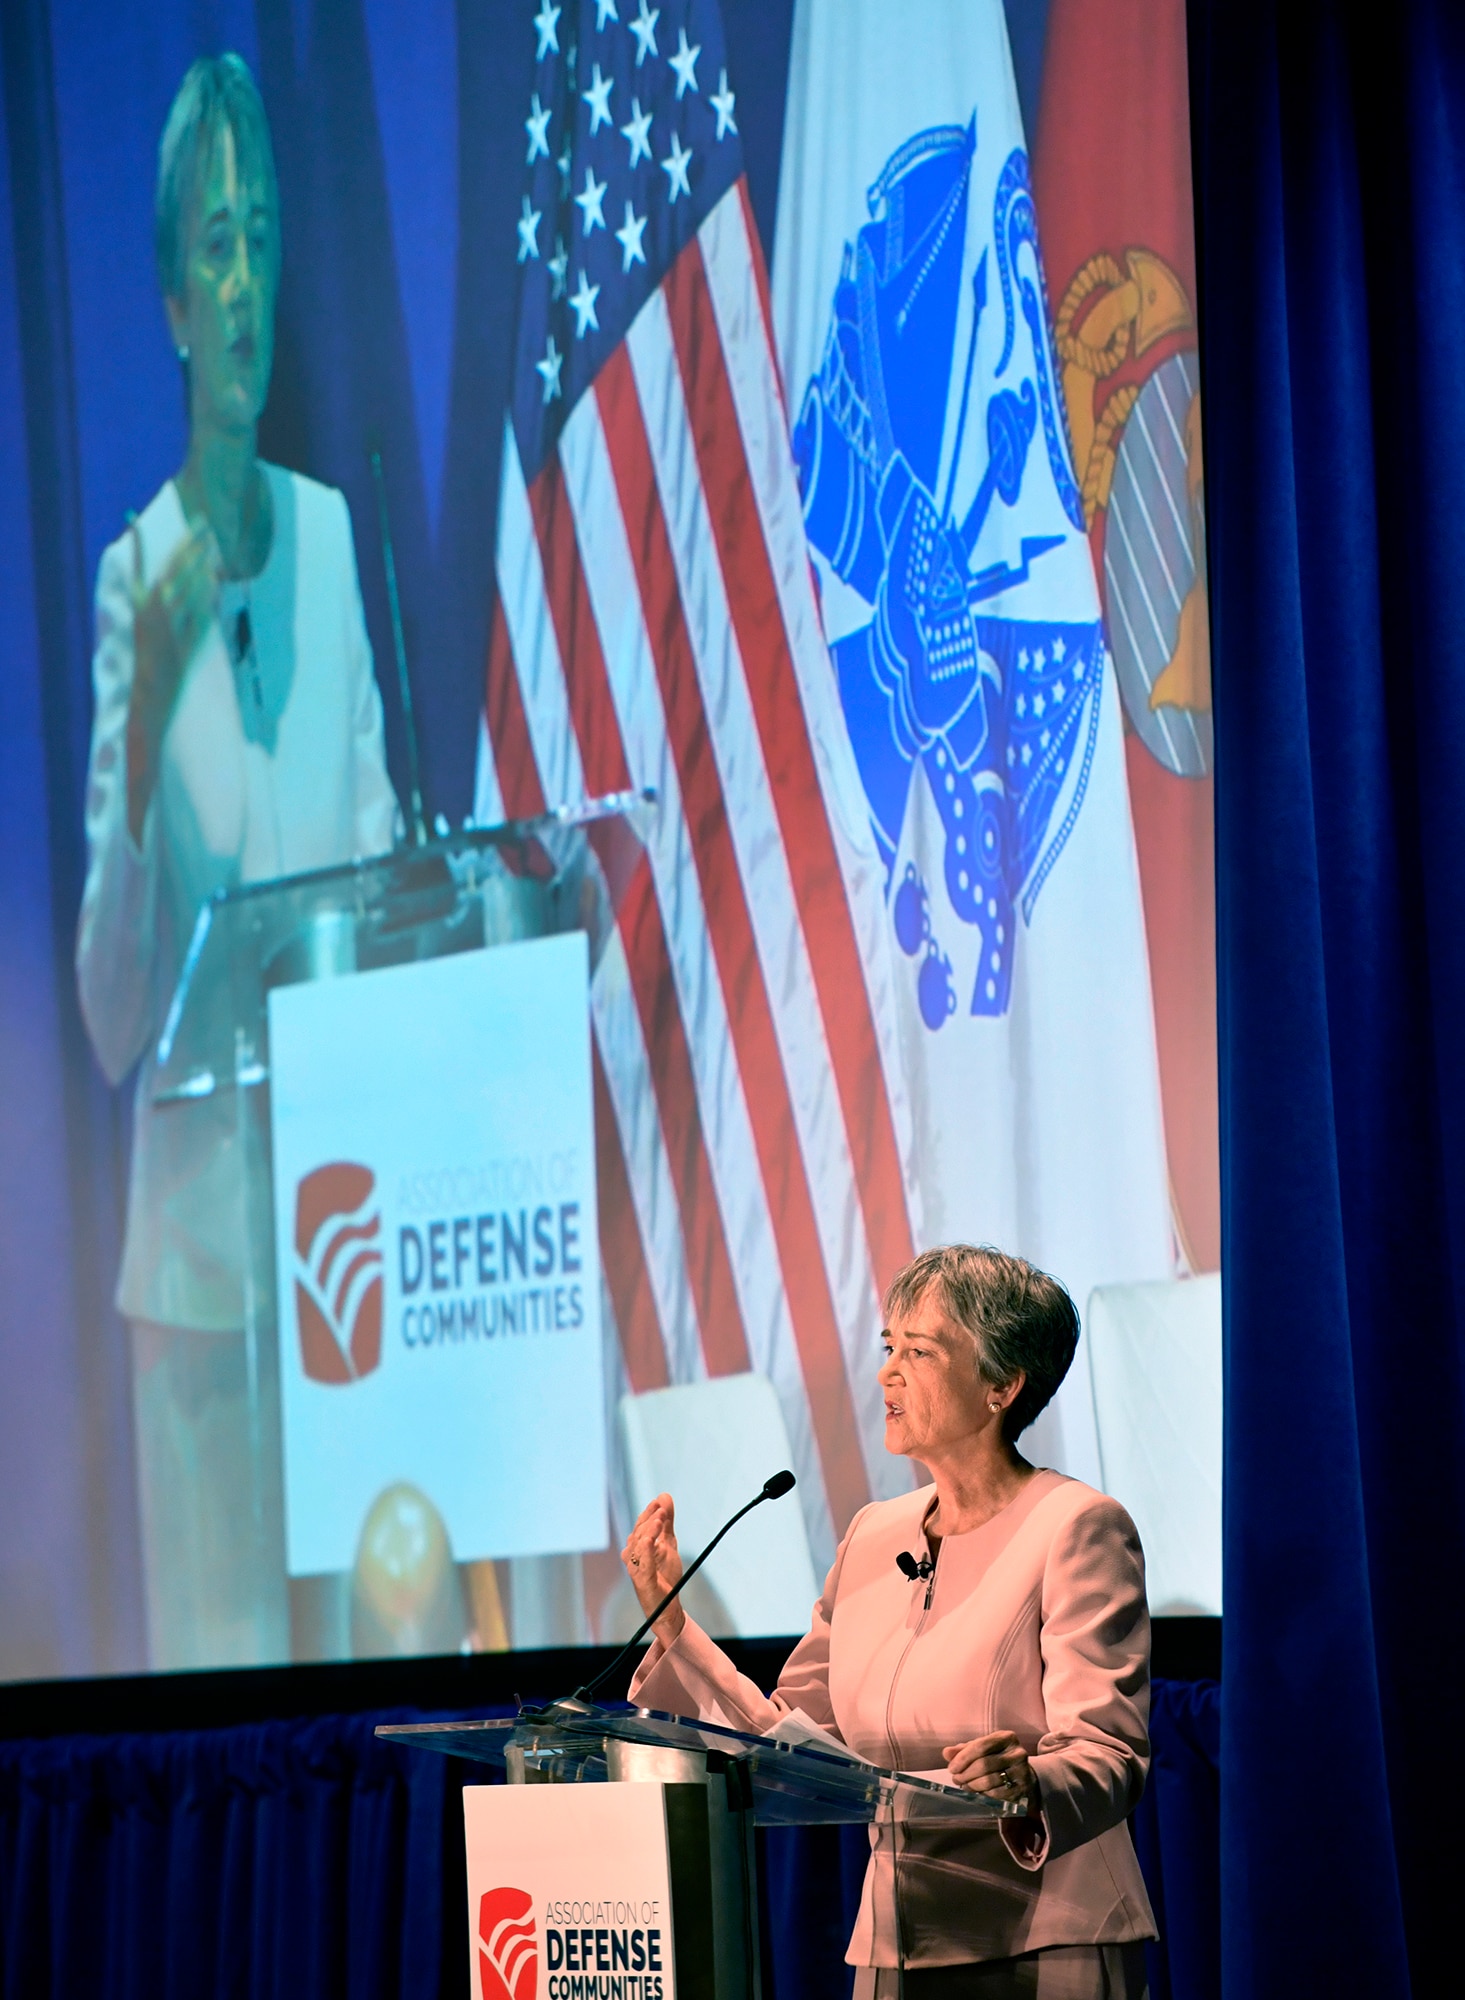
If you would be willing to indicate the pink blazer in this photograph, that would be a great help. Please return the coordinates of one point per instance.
(1036, 1623)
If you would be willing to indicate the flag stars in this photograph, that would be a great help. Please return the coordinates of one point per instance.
(537, 126)
(582, 305)
(598, 98)
(529, 232)
(588, 201)
(605, 10)
(629, 237)
(557, 265)
(547, 27)
(638, 132)
(1021, 704)
(564, 163)
(1040, 660)
(684, 62)
(643, 27)
(722, 102)
(675, 166)
(549, 368)
(1040, 707)
(1027, 754)
(1060, 651)
(1058, 688)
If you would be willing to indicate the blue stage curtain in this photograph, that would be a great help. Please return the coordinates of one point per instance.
(280, 1860)
(1177, 1834)
(1330, 148)
(292, 1859)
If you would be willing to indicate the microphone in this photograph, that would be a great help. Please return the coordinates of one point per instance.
(244, 652)
(906, 1563)
(773, 1489)
(416, 816)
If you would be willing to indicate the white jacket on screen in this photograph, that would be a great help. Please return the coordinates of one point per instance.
(269, 767)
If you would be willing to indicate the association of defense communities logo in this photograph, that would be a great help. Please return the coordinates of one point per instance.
(508, 1950)
(338, 1279)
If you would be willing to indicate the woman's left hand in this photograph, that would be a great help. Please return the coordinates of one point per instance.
(997, 1765)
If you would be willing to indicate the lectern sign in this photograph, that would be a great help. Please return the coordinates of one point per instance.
(569, 1892)
(437, 1269)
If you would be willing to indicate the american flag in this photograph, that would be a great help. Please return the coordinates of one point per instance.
(656, 625)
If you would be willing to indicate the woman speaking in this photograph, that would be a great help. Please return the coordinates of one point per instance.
(1014, 1663)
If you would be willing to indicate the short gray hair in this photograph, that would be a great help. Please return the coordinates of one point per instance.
(217, 91)
(1023, 1322)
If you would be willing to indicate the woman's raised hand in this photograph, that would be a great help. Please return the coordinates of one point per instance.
(654, 1565)
(169, 620)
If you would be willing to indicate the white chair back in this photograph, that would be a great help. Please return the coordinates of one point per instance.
(711, 1445)
(1155, 1364)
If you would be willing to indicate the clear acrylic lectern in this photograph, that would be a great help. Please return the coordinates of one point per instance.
(719, 1785)
(479, 887)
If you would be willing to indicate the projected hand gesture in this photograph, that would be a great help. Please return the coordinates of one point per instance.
(654, 1564)
(169, 621)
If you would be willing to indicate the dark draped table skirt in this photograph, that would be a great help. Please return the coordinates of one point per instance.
(306, 1858)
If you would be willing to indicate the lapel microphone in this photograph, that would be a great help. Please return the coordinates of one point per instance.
(906, 1563)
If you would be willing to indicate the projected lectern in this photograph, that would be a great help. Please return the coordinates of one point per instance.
(618, 1860)
(468, 1259)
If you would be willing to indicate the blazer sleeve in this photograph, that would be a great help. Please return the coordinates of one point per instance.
(117, 933)
(696, 1677)
(1091, 1761)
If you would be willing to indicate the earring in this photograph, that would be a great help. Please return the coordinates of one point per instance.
(183, 355)
(994, 1408)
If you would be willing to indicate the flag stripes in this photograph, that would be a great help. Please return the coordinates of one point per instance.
(750, 1013)
(656, 626)
(740, 1191)
(713, 298)
(593, 717)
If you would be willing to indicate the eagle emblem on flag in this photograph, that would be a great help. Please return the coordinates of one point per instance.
(1001, 710)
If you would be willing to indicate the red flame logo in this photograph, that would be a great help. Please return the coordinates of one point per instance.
(508, 1945)
(338, 1272)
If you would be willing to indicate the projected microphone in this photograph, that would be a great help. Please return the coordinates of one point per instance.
(417, 816)
(906, 1563)
(773, 1489)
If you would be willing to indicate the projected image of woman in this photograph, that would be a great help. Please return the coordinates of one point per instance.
(237, 737)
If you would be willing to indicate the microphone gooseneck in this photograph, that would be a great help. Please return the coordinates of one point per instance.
(416, 815)
(773, 1489)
